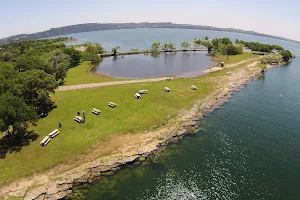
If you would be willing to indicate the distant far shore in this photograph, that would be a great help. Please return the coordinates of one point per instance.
(89, 27)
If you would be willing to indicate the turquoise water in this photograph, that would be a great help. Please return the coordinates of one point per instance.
(183, 64)
(247, 149)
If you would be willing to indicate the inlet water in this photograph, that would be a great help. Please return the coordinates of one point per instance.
(184, 64)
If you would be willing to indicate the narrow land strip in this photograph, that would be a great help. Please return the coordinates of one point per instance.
(94, 85)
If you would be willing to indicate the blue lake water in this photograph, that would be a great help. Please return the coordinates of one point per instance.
(144, 37)
(183, 64)
(247, 149)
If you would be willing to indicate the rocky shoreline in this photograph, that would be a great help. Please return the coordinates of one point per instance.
(62, 185)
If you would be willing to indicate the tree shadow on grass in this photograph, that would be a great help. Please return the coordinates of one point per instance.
(45, 110)
(14, 142)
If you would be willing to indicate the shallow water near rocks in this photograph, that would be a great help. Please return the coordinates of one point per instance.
(184, 64)
(247, 149)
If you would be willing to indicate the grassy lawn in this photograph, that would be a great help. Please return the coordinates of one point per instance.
(234, 59)
(131, 116)
(81, 75)
(222, 72)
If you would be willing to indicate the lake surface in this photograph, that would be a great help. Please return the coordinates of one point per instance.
(184, 64)
(143, 38)
(247, 149)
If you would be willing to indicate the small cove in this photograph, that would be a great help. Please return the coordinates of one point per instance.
(183, 64)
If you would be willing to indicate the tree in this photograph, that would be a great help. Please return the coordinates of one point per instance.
(155, 47)
(91, 53)
(168, 46)
(207, 44)
(59, 62)
(99, 48)
(256, 46)
(14, 114)
(165, 47)
(216, 42)
(6, 56)
(35, 82)
(196, 46)
(286, 55)
(171, 46)
(43, 104)
(237, 41)
(226, 41)
(115, 50)
(185, 45)
(231, 49)
(197, 41)
(8, 76)
(206, 38)
(27, 62)
(277, 47)
(74, 54)
(29, 72)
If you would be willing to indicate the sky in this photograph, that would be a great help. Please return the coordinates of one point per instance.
(275, 17)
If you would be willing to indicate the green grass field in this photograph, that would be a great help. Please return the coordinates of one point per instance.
(131, 116)
(82, 75)
(234, 59)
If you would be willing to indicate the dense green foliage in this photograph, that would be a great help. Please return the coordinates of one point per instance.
(267, 48)
(115, 50)
(286, 55)
(185, 45)
(29, 72)
(155, 45)
(92, 51)
(260, 47)
(223, 46)
(168, 47)
(208, 44)
(155, 48)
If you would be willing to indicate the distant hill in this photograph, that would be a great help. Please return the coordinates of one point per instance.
(78, 28)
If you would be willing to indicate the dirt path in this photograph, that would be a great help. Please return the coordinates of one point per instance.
(213, 69)
(94, 85)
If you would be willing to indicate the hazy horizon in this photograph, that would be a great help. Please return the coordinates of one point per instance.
(276, 18)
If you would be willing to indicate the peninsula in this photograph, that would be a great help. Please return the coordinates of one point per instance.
(50, 88)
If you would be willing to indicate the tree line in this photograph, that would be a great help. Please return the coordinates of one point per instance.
(267, 48)
(222, 46)
(29, 72)
(260, 47)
